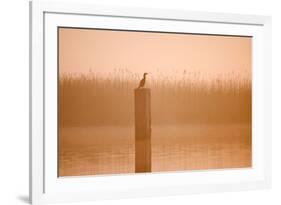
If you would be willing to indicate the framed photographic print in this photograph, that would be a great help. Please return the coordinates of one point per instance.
(129, 102)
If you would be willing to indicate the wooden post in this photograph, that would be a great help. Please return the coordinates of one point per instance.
(142, 130)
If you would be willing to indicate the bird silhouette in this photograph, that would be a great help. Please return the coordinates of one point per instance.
(142, 82)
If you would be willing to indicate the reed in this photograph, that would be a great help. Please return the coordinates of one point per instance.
(95, 100)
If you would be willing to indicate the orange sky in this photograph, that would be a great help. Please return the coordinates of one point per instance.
(104, 51)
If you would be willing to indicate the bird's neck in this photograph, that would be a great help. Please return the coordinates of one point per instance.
(144, 76)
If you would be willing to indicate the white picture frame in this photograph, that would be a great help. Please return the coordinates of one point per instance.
(46, 187)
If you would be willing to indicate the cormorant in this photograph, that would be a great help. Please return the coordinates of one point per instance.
(142, 82)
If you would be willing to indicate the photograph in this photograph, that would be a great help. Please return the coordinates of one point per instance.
(137, 101)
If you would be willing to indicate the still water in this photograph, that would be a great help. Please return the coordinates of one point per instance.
(111, 150)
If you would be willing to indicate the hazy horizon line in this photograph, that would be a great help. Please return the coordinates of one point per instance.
(177, 76)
